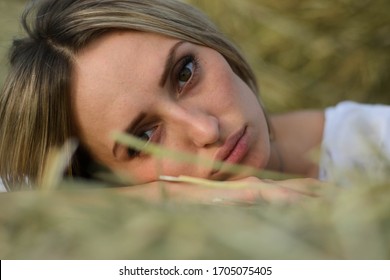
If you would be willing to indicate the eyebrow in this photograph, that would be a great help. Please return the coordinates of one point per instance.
(169, 63)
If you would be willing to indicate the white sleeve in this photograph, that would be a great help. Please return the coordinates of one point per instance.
(356, 142)
(2, 187)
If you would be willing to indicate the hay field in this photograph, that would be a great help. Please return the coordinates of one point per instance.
(311, 53)
(306, 54)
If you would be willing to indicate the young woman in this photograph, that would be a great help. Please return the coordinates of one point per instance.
(156, 69)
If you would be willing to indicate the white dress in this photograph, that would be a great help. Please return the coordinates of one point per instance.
(356, 143)
(2, 188)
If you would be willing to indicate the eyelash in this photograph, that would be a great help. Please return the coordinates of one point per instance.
(133, 153)
(182, 65)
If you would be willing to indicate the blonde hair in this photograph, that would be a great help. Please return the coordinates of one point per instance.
(35, 107)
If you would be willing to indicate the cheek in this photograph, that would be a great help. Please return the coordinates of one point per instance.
(219, 90)
(227, 89)
(236, 100)
(149, 170)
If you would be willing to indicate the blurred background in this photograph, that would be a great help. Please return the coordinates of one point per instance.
(306, 53)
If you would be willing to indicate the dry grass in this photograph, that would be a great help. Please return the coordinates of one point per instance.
(85, 220)
(310, 53)
(306, 54)
(99, 224)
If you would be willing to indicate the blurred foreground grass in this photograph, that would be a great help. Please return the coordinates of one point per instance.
(349, 223)
(306, 54)
(80, 220)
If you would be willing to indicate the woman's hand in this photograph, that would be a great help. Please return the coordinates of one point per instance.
(248, 190)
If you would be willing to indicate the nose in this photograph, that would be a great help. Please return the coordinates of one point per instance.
(201, 128)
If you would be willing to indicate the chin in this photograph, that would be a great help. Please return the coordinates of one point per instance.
(230, 176)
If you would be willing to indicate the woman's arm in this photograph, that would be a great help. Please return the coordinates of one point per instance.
(296, 136)
(247, 190)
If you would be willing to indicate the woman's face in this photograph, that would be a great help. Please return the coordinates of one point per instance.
(169, 92)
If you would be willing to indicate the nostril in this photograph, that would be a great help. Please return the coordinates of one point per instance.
(206, 131)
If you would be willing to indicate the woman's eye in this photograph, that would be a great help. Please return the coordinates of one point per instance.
(186, 72)
(145, 136)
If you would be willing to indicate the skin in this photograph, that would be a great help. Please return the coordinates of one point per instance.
(119, 80)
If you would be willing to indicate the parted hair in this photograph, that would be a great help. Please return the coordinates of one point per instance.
(35, 108)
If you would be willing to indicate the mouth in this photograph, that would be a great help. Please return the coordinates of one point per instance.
(234, 149)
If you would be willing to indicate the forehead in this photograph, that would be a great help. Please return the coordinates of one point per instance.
(112, 73)
(121, 49)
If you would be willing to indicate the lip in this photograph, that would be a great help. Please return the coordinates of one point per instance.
(234, 149)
